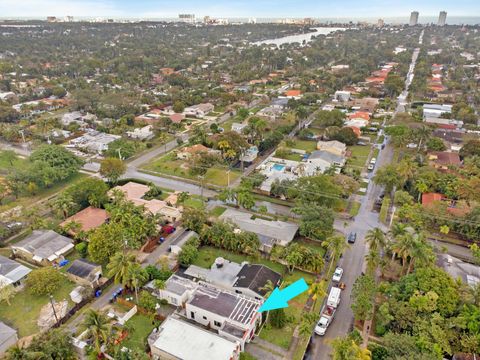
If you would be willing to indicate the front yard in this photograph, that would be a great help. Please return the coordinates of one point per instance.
(306, 145)
(23, 312)
(170, 165)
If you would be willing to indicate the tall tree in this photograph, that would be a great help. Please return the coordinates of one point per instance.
(112, 169)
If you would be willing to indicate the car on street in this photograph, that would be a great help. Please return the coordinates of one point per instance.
(352, 237)
(337, 275)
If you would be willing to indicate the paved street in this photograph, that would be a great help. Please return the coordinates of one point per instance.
(353, 260)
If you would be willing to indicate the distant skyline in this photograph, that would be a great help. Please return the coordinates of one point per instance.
(237, 8)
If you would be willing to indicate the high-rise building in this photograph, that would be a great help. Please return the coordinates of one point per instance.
(187, 18)
(380, 23)
(442, 18)
(413, 18)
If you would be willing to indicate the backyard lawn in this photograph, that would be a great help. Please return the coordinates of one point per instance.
(140, 327)
(194, 202)
(5, 164)
(306, 145)
(170, 165)
(359, 156)
(23, 312)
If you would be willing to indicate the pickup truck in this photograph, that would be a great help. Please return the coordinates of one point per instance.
(326, 319)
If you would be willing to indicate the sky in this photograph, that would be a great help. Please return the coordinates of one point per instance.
(236, 8)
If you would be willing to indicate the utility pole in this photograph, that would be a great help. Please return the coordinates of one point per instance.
(201, 185)
(53, 308)
(228, 178)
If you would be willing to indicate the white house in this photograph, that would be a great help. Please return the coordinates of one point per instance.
(12, 272)
(176, 292)
(342, 96)
(435, 110)
(143, 133)
(177, 339)
(199, 110)
(234, 316)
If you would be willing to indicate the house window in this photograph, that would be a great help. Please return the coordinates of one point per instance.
(204, 318)
(217, 324)
(238, 291)
(192, 314)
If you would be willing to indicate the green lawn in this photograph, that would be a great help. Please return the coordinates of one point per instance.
(23, 312)
(5, 164)
(194, 203)
(44, 193)
(354, 208)
(170, 165)
(307, 145)
(217, 211)
(359, 155)
(291, 156)
(141, 326)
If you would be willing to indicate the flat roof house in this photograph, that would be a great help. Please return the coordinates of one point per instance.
(43, 247)
(85, 272)
(89, 218)
(269, 232)
(177, 290)
(8, 337)
(12, 272)
(177, 339)
(234, 316)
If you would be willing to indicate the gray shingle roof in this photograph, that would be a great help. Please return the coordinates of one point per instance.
(280, 230)
(43, 243)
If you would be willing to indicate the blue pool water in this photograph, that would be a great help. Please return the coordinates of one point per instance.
(278, 167)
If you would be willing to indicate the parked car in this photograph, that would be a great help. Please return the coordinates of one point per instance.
(373, 161)
(337, 275)
(352, 237)
(370, 167)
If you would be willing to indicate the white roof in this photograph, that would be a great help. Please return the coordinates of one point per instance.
(189, 342)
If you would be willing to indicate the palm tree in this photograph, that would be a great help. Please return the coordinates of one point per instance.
(421, 252)
(406, 169)
(268, 288)
(119, 266)
(336, 245)
(376, 239)
(307, 322)
(422, 188)
(99, 328)
(373, 260)
(423, 134)
(137, 276)
(317, 290)
(64, 204)
(403, 247)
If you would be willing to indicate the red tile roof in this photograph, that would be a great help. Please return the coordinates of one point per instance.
(429, 198)
(177, 118)
(293, 93)
(88, 218)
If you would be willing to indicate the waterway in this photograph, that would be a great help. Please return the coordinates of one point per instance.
(299, 38)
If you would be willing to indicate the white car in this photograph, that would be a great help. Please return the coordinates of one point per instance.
(373, 161)
(337, 275)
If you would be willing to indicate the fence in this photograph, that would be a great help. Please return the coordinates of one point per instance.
(82, 303)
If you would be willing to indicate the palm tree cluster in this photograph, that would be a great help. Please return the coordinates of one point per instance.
(125, 270)
(301, 257)
(402, 241)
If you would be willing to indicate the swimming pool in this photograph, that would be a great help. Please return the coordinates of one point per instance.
(278, 167)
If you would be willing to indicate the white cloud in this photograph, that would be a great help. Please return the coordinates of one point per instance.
(42, 8)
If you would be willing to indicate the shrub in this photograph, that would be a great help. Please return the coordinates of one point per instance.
(43, 281)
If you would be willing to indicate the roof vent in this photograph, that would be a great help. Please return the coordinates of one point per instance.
(219, 262)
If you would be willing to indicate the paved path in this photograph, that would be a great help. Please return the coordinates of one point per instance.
(262, 349)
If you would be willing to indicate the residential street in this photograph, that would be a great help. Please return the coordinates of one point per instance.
(353, 260)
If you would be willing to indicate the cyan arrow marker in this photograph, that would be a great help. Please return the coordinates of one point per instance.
(280, 298)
